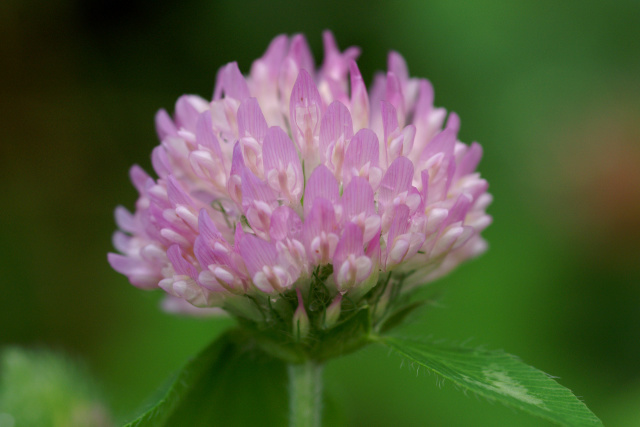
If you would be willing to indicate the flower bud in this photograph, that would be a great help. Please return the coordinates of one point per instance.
(332, 314)
(300, 319)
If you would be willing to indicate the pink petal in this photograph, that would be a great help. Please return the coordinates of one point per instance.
(210, 248)
(401, 244)
(280, 156)
(373, 248)
(396, 180)
(298, 58)
(278, 150)
(390, 127)
(188, 108)
(231, 83)
(160, 161)
(469, 162)
(164, 125)
(138, 272)
(321, 218)
(350, 264)
(376, 95)
(268, 66)
(207, 227)
(332, 61)
(424, 104)
(477, 189)
(301, 54)
(321, 184)
(256, 253)
(335, 63)
(305, 111)
(395, 97)
(285, 222)
(358, 198)
(181, 265)
(138, 177)
(444, 142)
(258, 203)
(399, 223)
(336, 129)
(234, 185)
(203, 252)
(450, 238)
(350, 244)
(176, 194)
(121, 241)
(125, 220)
(389, 118)
(440, 161)
(408, 137)
(453, 122)
(398, 66)
(459, 210)
(251, 121)
(319, 232)
(424, 178)
(363, 149)
(359, 98)
(255, 189)
(427, 119)
(208, 161)
(205, 135)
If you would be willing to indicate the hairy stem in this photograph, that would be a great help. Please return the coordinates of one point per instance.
(305, 394)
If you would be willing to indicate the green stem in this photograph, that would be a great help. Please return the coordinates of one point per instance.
(305, 394)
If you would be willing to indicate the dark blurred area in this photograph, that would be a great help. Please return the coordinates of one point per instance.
(550, 89)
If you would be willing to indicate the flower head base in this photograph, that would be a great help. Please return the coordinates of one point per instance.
(295, 184)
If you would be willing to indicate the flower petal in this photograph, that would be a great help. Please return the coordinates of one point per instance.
(396, 180)
(282, 168)
(231, 83)
(336, 130)
(305, 111)
(322, 184)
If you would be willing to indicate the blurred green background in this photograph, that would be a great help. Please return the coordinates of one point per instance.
(550, 89)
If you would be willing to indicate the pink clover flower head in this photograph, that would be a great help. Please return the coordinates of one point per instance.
(294, 174)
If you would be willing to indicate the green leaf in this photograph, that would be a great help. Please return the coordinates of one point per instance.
(500, 377)
(231, 383)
